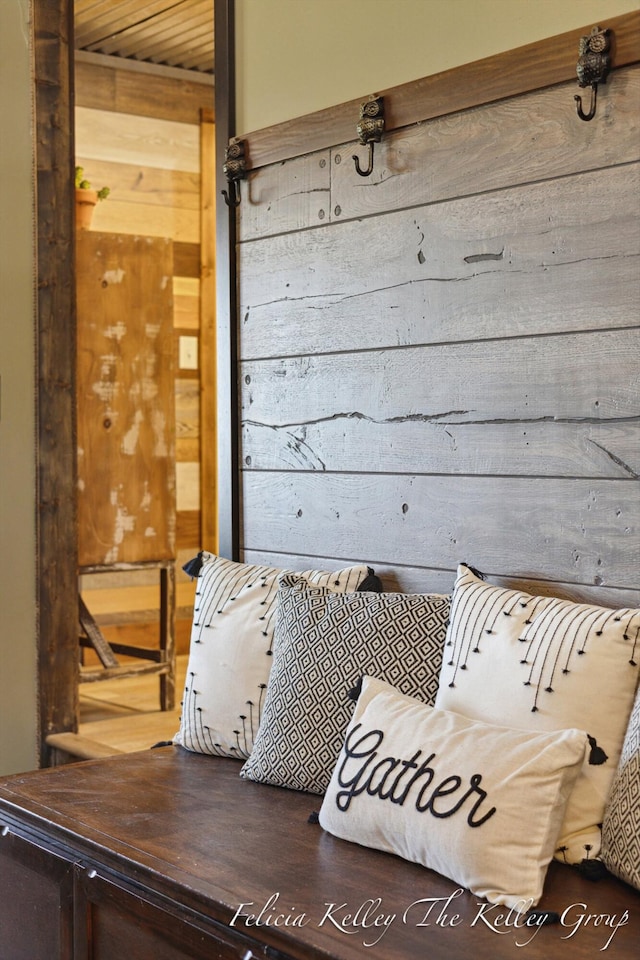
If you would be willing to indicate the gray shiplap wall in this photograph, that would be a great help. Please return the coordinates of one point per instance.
(440, 362)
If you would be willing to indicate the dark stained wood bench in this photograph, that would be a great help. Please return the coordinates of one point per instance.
(168, 855)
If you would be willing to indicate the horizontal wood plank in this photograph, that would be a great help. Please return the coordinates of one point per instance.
(140, 140)
(512, 73)
(524, 381)
(534, 137)
(147, 93)
(135, 183)
(409, 445)
(149, 220)
(560, 255)
(186, 260)
(287, 196)
(406, 579)
(578, 531)
(521, 140)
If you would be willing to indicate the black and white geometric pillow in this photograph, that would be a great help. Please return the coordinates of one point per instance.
(621, 825)
(324, 643)
(231, 646)
(542, 664)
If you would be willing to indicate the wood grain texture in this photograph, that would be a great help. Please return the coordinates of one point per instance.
(404, 578)
(536, 136)
(155, 875)
(576, 531)
(566, 250)
(509, 74)
(125, 91)
(126, 432)
(56, 579)
(134, 139)
(445, 367)
(529, 412)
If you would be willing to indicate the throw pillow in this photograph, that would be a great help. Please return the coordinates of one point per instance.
(621, 824)
(324, 643)
(230, 652)
(541, 663)
(478, 803)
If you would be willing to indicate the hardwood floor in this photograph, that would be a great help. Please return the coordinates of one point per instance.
(124, 714)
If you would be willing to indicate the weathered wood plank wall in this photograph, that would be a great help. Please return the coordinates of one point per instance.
(440, 362)
(139, 133)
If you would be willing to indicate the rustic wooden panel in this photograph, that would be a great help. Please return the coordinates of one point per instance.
(135, 183)
(187, 408)
(56, 579)
(144, 141)
(405, 445)
(521, 140)
(287, 196)
(186, 260)
(577, 531)
(514, 72)
(186, 303)
(187, 450)
(146, 94)
(408, 579)
(499, 406)
(432, 161)
(188, 535)
(188, 485)
(151, 220)
(208, 452)
(125, 400)
(565, 250)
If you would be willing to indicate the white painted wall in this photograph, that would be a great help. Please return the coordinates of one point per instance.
(18, 705)
(297, 56)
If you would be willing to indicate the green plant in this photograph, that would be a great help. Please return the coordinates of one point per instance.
(82, 184)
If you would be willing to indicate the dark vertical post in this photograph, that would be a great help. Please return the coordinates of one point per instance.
(226, 305)
(57, 569)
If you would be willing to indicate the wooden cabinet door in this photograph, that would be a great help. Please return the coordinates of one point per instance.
(113, 922)
(125, 399)
(36, 902)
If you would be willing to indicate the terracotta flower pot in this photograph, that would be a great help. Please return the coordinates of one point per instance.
(85, 202)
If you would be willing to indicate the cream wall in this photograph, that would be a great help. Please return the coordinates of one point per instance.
(297, 56)
(18, 707)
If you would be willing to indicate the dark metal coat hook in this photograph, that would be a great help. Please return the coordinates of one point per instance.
(235, 170)
(592, 67)
(370, 129)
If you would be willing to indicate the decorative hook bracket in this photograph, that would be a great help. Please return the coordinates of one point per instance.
(370, 129)
(593, 66)
(235, 170)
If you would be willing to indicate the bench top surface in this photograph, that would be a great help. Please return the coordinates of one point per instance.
(188, 825)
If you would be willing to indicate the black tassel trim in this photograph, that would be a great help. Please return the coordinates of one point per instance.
(355, 692)
(193, 567)
(597, 756)
(477, 573)
(593, 870)
(371, 583)
(314, 817)
(162, 743)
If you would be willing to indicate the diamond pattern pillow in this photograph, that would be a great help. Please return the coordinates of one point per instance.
(543, 664)
(621, 825)
(324, 644)
(479, 803)
(231, 646)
